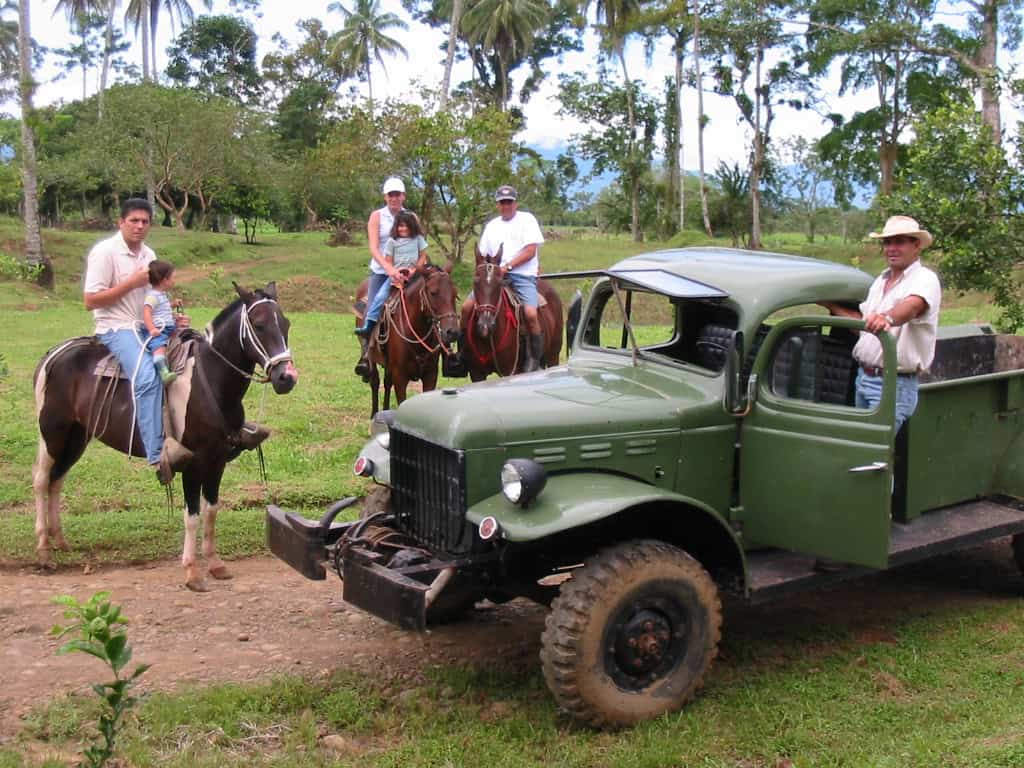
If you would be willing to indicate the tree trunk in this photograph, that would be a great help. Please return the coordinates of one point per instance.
(145, 42)
(453, 36)
(758, 159)
(34, 256)
(107, 46)
(887, 153)
(631, 122)
(700, 120)
(989, 71)
(680, 53)
(369, 88)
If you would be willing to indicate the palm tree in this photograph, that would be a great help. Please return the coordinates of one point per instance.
(506, 27)
(363, 38)
(145, 15)
(454, 22)
(34, 256)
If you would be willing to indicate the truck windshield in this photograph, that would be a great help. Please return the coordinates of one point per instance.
(696, 332)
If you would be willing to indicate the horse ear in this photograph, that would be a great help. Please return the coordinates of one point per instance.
(271, 290)
(497, 256)
(244, 294)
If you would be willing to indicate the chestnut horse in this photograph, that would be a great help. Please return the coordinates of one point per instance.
(74, 405)
(495, 330)
(413, 334)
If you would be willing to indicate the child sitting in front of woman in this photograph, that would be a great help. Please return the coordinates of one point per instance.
(158, 317)
(407, 250)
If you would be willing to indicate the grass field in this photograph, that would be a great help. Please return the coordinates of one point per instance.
(944, 688)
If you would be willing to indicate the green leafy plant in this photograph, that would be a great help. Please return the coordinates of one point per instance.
(4, 368)
(99, 629)
(12, 268)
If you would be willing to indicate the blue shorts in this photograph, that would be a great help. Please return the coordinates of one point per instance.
(525, 287)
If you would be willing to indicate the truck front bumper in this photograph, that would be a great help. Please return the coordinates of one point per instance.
(401, 595)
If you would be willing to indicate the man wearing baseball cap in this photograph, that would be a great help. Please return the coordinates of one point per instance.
(517, 235)
(904, 300)
(378, 230)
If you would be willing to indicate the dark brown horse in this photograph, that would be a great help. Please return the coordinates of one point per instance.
(412, 334)
(74, 405)
(495, 326)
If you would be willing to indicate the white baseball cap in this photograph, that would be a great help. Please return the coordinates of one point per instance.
(394, 184)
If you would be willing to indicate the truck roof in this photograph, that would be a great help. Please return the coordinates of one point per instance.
(758, 282)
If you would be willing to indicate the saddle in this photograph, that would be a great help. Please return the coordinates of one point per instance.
(517, 306)
(179, 350)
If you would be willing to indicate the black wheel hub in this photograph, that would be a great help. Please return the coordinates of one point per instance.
(645, 642)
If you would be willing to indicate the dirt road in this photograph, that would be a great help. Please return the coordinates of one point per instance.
(269, 619)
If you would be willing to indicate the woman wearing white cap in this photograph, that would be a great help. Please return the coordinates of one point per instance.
(378, 230)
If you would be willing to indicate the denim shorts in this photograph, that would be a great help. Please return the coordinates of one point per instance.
(869, 394)
(525, 287)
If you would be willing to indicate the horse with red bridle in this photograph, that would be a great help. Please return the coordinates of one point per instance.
(419, 324)
(495, 326)
(79, 398)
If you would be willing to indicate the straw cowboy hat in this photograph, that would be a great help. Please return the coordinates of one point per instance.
(906, 226)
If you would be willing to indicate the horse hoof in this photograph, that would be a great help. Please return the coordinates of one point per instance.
(221, 573)
(198, 585)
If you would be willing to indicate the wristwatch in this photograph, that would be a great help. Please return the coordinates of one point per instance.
(889, 319)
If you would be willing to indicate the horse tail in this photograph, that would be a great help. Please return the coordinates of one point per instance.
(41, 374)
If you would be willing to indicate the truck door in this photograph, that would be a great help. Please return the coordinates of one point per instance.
(815, 471)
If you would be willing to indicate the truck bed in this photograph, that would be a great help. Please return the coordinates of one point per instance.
(777, 572)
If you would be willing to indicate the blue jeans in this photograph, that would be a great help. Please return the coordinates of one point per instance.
(377, 304)
(869, 394)
(153, 343)
(147, 389)
(377, 281)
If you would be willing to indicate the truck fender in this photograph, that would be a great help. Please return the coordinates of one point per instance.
(576, 499)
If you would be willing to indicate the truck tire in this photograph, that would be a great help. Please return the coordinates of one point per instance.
(631, 634)
(1018, 551)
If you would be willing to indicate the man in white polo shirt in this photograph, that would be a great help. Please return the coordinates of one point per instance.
(904, 300)
(116, 279)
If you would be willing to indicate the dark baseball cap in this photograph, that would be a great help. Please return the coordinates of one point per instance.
(505, 192)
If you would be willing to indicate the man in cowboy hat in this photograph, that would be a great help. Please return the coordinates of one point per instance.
(904, 300)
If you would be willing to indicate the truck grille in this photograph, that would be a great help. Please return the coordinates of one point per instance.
(428, 492)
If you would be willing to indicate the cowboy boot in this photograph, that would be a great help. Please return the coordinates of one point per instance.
(454, 365)
(534, 351)
(174, 457)
(362, 368)
(251, 435)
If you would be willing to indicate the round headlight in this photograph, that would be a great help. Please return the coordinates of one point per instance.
(522, 480)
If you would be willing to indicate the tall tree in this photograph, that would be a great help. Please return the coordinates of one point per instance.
(698, 77)
(621, 126)
(507, 28)
(35, 258)
(364, 38)
(744, 31)
(144, 15)
(217, 55)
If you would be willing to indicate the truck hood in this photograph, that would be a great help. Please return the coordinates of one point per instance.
(595, 397)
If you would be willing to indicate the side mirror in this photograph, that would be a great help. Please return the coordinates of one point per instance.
(734, 400)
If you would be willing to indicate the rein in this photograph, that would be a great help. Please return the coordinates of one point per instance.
(435, 324)
(512, 326)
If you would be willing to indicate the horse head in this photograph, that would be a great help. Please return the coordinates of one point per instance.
(263, 333)
(488, 280)
(438, 301)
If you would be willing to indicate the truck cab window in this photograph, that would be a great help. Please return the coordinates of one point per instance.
(814, 363)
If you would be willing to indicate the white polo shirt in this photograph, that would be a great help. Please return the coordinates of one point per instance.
(915, 340)
(110, 262)
(515, 234)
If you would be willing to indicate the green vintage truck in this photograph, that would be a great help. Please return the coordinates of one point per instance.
(701, 438)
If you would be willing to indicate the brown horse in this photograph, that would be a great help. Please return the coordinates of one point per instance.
(74, 405)
(412, 334)
(495, 326)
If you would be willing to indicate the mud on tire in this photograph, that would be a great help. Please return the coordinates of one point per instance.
(631, 634)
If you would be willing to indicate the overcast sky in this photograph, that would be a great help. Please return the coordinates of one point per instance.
(725, 138)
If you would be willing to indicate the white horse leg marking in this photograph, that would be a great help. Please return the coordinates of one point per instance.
(214, 564)
(193, 575)
(41, 489)
(57, 539)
